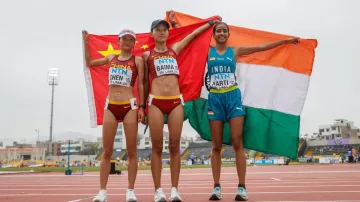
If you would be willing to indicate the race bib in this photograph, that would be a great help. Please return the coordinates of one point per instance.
(222, 80)
(164, 66)
(119, 76)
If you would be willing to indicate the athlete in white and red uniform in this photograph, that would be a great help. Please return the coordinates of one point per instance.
(165, 99)
(120, 106)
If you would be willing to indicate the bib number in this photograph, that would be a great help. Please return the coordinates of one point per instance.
(165, 66)
(119, 76)
(222, 80)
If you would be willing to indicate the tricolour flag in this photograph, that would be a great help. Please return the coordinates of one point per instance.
(274, 86)
(191, 60)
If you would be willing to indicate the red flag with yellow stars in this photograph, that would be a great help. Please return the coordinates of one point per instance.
(192, 61)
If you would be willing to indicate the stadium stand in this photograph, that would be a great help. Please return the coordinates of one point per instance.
(198, 149)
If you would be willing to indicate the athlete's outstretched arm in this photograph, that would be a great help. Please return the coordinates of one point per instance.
(177, 47)
(246, 50)
(146, 75)
(89, 61)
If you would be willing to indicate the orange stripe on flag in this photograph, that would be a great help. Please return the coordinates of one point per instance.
(296, 58)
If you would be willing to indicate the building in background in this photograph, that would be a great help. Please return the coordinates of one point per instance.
(145, 142)
(341, 128)
(119, 137)
(13, 155)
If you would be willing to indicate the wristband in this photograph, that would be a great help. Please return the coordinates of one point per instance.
(143, 106)
(211, 22)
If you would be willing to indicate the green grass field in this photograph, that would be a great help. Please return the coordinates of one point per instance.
(96, 169)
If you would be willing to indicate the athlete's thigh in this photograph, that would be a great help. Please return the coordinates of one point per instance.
(175, 123)
(236, 128)
(234, 106)
(216, 110)
(156, 124)
(110, 125)
(131, 129)
(216, 128)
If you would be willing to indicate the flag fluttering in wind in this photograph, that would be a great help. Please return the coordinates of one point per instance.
(191, 60)
(273, 83)
(274, 87)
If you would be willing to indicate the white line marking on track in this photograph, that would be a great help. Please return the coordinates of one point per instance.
(77, 200)
(192, 193)
(190, 174)
(194, 187)
(276, 179)
(181, 184)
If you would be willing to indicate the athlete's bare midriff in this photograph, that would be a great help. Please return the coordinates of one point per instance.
(120, 93)
(167, 85)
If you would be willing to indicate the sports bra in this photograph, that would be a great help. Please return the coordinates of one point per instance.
(122, 73)
(164, 63)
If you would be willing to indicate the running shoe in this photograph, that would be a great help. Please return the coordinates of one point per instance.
(159, 195)
(241, 194)
(174, 195)
(101, 197)
(130, 196)
(216, 194)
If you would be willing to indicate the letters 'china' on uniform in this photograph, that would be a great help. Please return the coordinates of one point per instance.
(122, 73)
(164, 63)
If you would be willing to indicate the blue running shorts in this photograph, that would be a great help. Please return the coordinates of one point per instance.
(225, 106)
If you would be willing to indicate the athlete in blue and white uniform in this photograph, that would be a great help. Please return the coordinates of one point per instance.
(225, 103)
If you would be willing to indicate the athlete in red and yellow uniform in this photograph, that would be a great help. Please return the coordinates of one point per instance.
(165, 98)
(121, 106)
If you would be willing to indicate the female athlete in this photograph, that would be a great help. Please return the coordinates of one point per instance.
(120, 106)
(165, 99)
(225, 105)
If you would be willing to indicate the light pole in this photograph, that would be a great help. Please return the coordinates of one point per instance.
(38, 132)
(53, 80)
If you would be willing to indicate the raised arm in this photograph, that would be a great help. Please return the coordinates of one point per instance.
(146, 75)
(89, 61)
(177, 47)
(243, 50)
(174, 24)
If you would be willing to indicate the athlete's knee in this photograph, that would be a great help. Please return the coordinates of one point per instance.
(174, 147)
(216, 148)
(157, 147)
(107, 153)
(238, 145)
(132, 154)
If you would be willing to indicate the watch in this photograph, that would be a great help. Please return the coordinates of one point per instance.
(211, 22)
(143, 106)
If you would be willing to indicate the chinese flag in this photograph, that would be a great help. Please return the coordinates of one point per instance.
(191, 60)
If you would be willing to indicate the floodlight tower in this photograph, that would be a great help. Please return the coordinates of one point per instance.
(53, 80)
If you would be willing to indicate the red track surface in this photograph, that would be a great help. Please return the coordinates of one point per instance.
(264, 183)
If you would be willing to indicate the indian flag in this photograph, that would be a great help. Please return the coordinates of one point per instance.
(274, 86)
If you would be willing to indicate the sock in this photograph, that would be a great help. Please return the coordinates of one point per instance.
(242, 185)
(217, 185)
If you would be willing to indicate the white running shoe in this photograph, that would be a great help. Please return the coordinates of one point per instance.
(159, 195)
(174, 195)
(101, 197)
(130, 196)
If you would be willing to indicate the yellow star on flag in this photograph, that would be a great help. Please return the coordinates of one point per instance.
(144, 46)
(110, 50)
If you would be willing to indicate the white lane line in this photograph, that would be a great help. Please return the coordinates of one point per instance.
(186, 187)
(192, 193)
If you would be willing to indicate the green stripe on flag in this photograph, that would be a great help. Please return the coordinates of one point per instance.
(266, 131)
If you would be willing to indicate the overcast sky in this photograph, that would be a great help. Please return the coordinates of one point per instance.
(40, 34)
